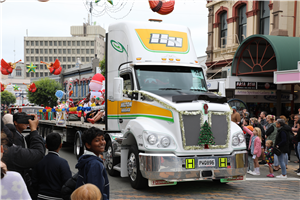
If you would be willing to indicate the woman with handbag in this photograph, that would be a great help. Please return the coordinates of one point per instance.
(282, 143)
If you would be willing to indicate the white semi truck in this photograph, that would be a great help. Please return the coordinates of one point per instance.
(162, 124)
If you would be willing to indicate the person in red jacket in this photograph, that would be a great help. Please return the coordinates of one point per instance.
(254, 146)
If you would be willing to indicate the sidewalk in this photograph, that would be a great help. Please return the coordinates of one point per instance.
(264, 170)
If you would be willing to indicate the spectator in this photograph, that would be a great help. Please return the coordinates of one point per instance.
(290, 135)
(19, 139)
(97, 117)
(270, 128)
(7, 119)
(269, 157)
(235, 116)
(282, 144)
(90, 166)
(20, 159)
(250, 169)
(51, 172)
(87, 192)
(93, 102)
(262, 118)
(245, 115)
(10, 179)
(298, 147)
(254, 146)
(263, 133)
(291, 121)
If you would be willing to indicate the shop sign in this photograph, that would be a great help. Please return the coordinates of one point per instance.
(255, 92)
(245, 85)
(266, 86)
(285, 97)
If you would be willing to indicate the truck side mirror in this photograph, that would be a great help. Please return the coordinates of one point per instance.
(118, 89)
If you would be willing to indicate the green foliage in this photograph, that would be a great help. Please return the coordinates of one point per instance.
(7, 97)
(45, 92)
(102, 66)
(206, 136)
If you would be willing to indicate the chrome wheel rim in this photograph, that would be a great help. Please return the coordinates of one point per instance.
(131, 165)
(109, 158)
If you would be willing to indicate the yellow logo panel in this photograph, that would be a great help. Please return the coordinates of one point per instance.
(222, 162)
(190, 163)
(163, 40)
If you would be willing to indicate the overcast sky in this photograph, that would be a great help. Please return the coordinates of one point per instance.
(54, 18)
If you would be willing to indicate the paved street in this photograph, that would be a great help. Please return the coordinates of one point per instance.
(255, 187)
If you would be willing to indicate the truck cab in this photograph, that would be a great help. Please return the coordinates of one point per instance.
(163, 125)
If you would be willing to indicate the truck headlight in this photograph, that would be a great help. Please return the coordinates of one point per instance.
(235, 140)
(238, 139)
(165, 142)
(152, 139)
(241, 137)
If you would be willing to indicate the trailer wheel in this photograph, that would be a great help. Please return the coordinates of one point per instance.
(45, 132)
(136, 179)
(111, 160)
(78, 146)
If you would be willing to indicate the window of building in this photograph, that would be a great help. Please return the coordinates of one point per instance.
(73, 43)
(27, 59)
(27, 51)
(36, 74)
(73, 51)
(64, 43)
(69, 43)
(41, 59)
(41, 74)
(27, 75)
(31, 74)
(64, 59)
(87, 51)
(59, 51)
(264, 18)
(41, 43)
(41, 51)
(64, 51)
(27, 43)
(59, 43)
(82, 59)
(50, 43)
(46, 74)
(32, 51)
(55, 43)
(69, 66)
(92, 43)
(69, 51)
(50, 59)
(87, 43)
(60, 58)
(32, 59)
(42, 67)
(37, 59)
(73, 59)
(92, 51)
(46, 59)
(18, 71)
(50, 51)
(64, 66)
(82, 51)
(78, 43)
(32, 43)
(55, 51)
(37, 67)
(78, 51)
(87, 59)
(223, 28)
(242, 23)
(36, 51)
(36, 43)
(69, 59)
(46, 43)
(82, 43)
(46, 51)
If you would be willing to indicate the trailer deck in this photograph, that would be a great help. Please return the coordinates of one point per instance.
(74, 124)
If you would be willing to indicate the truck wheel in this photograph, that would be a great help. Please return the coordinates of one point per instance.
(111, 160)
(136, 179)
(45, 132)
(41, 130)
(78, 148)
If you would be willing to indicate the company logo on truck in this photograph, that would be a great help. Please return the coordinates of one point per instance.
(118, 46)
(164, 41)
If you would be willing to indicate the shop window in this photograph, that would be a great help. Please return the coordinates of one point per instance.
(223, 28)
(264, 18)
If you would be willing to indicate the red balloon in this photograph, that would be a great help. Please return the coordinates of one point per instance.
(162, 7)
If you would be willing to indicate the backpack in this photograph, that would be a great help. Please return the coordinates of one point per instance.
(69, 187)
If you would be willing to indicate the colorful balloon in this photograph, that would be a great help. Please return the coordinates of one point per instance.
(59, 94)
(162, 7)
(96, 84)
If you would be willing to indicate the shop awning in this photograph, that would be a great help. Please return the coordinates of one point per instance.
(262, 55)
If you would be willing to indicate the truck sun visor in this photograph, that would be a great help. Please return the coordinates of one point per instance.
(205, 97)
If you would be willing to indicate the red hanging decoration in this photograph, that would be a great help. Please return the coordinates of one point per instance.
(32, 88)
(205, 107)
(162, 7)
(2, 86)
(54, 68)
(7, 68)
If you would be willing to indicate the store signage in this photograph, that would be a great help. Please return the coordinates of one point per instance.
(255, 92)
(245, 85)
(285, 97)
(266, 86)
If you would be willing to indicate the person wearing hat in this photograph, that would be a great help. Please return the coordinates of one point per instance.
(235, 116)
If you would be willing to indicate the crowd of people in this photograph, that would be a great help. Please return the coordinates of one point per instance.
(26, 173)
(270, 139)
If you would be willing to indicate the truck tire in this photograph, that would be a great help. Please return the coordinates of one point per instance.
(111, 160)
(45, 132)
(41, 130)
(136, 179)
(78, 146)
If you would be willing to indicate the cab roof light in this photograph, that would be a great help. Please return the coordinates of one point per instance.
(138, 58)
(196, 61)
(164, 59)
(177, 59)
(171, 59)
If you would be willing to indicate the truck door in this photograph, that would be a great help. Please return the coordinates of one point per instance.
(125, 112)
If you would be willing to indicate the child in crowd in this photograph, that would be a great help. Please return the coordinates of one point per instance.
(87, 191)
(90, 165)
(98, 103)
(52, 171)
(269, 157)
(93, 102)
(250, 159)
(255, 147)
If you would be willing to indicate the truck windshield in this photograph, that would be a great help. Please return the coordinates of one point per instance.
(170, 78)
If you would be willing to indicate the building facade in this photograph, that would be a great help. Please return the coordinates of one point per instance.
(86, 43)
(231, 22)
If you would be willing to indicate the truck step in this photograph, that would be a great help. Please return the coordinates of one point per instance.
(117, 168)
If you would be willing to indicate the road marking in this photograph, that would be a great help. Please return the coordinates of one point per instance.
(272, 179)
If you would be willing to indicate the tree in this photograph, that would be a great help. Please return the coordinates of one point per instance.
(102, 66)
(7, 97)
(45, 92)
(206, 136)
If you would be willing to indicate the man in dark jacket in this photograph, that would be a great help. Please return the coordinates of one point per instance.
(18, 138)
(21, 159)
(51, 172)
(90, 166)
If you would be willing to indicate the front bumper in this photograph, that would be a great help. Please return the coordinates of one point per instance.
(172, 168)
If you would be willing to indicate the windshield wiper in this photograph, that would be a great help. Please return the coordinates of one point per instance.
(169, 89)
